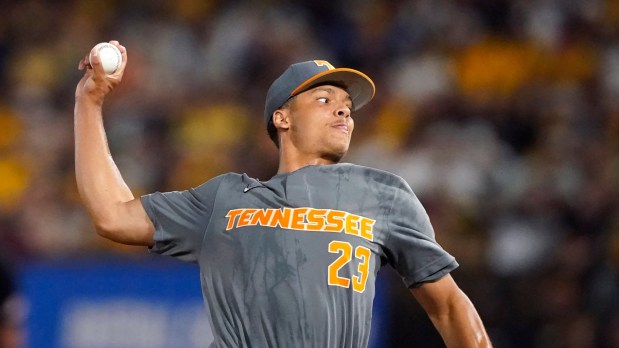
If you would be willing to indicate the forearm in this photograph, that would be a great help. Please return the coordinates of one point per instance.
(460, 325)
(99, 181)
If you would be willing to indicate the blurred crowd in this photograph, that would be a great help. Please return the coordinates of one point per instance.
(502, 115)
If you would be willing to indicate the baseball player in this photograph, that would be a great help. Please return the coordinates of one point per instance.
(292, 261)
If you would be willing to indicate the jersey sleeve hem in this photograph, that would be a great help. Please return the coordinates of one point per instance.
(434, 271)
(153, 217)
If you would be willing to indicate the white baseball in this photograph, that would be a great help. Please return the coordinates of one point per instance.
(110, 57)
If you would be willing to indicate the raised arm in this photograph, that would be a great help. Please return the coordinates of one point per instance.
(116, 213)
(452, 313)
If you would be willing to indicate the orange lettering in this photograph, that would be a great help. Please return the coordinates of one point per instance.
(232, 214)
(297, 221)
(305, 219)
(281, 217)
(335, 221)
(366, 228)
(351, 224)
(245, 217)
(262, 217)
(315, 219)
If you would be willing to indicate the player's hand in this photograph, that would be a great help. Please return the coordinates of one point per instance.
(96, 84)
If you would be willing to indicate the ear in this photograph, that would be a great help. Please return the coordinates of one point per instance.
(281, 119)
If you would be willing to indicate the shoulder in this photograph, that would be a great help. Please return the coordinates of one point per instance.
(228, 178)
(375, 176)
(216, 183)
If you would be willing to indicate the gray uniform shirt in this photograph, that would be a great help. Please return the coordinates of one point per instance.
(292, 262)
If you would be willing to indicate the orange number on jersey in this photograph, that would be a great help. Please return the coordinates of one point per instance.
(346, 252)
(358, 283)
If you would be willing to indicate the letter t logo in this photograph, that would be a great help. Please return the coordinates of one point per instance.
(324, 63)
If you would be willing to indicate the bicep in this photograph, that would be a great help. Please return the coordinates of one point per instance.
(130, 225)
(436, 297)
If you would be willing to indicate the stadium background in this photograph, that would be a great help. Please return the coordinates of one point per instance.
(502, 115)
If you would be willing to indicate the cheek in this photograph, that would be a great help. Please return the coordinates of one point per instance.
(305, 131)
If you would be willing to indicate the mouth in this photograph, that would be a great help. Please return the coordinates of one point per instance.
(343, 127)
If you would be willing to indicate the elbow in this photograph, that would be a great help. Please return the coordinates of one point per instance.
(108, 224)
(106, 228)
(114, 231)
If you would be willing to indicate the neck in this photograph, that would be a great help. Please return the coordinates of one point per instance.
(289, 162)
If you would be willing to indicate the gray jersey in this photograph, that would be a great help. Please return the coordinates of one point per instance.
(292, 262)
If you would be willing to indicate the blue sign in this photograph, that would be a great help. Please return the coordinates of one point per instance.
(115, 304)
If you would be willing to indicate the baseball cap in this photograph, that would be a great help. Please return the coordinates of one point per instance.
(302, 76)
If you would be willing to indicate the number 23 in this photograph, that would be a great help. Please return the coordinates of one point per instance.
(346, 252)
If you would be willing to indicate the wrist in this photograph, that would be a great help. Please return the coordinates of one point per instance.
(88, 109)
(88, 102)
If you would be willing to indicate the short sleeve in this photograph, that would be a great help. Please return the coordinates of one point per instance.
(181, 218)
(411, 247)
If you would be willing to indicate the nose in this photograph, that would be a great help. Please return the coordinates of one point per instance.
(343, 111)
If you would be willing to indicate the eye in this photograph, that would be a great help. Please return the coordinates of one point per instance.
(323, 100)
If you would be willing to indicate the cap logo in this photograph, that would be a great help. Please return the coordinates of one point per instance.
(324, 63)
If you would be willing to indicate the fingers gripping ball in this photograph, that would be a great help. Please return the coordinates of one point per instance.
(110, 57)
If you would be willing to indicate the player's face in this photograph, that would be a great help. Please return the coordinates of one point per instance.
(321, 122)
